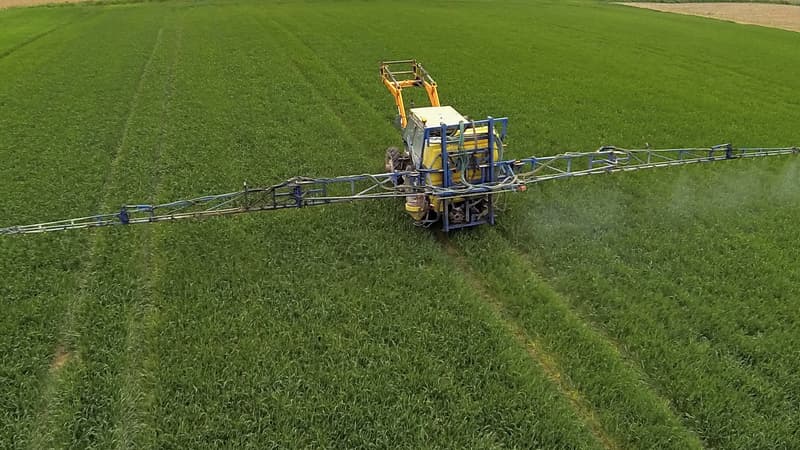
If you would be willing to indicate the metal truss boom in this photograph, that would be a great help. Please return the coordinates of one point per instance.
(509, 175)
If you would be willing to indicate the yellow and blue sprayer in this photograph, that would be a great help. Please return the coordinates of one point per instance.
(449, 171)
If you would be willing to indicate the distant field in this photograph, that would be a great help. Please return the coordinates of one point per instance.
(785, 16)
(646, 310)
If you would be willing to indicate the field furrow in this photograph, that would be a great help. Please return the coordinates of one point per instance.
(591, 364)
(22, 28)
(136, 423)
(356, 116)
(535, 349)
(28, 41)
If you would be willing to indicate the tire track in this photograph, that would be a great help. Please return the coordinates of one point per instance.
(739, 381)
(41, 35)
(628, 375)
(66, 350)
(344, 128)
(605, 379)
(96, 238)
(139, 373)
(535, 350)
(351, 94)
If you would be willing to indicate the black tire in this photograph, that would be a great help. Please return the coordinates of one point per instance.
(392, 160)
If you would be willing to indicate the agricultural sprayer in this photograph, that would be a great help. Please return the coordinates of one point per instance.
(449, 171)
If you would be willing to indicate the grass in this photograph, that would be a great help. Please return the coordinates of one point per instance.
(645, 310)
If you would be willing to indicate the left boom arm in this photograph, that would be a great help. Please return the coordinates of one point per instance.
(296, 192)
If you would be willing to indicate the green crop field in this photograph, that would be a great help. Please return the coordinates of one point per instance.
(656, 309)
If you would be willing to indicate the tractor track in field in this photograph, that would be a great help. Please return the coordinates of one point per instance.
(69, 333)
(332, 74)
(541, 357)
(140, 369)
(94, 239)
(120, 150)
(609, 341)
(30, 40)
(651, 387)
(41, 35)
(336, 117)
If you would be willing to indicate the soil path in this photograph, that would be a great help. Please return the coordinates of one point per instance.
(786, 17)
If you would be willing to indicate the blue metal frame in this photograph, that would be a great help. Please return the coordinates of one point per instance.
(449, 192)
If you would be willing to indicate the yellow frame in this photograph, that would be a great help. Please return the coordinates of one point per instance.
(421, 78)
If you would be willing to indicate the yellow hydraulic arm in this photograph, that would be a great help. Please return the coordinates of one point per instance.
(415, 76)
